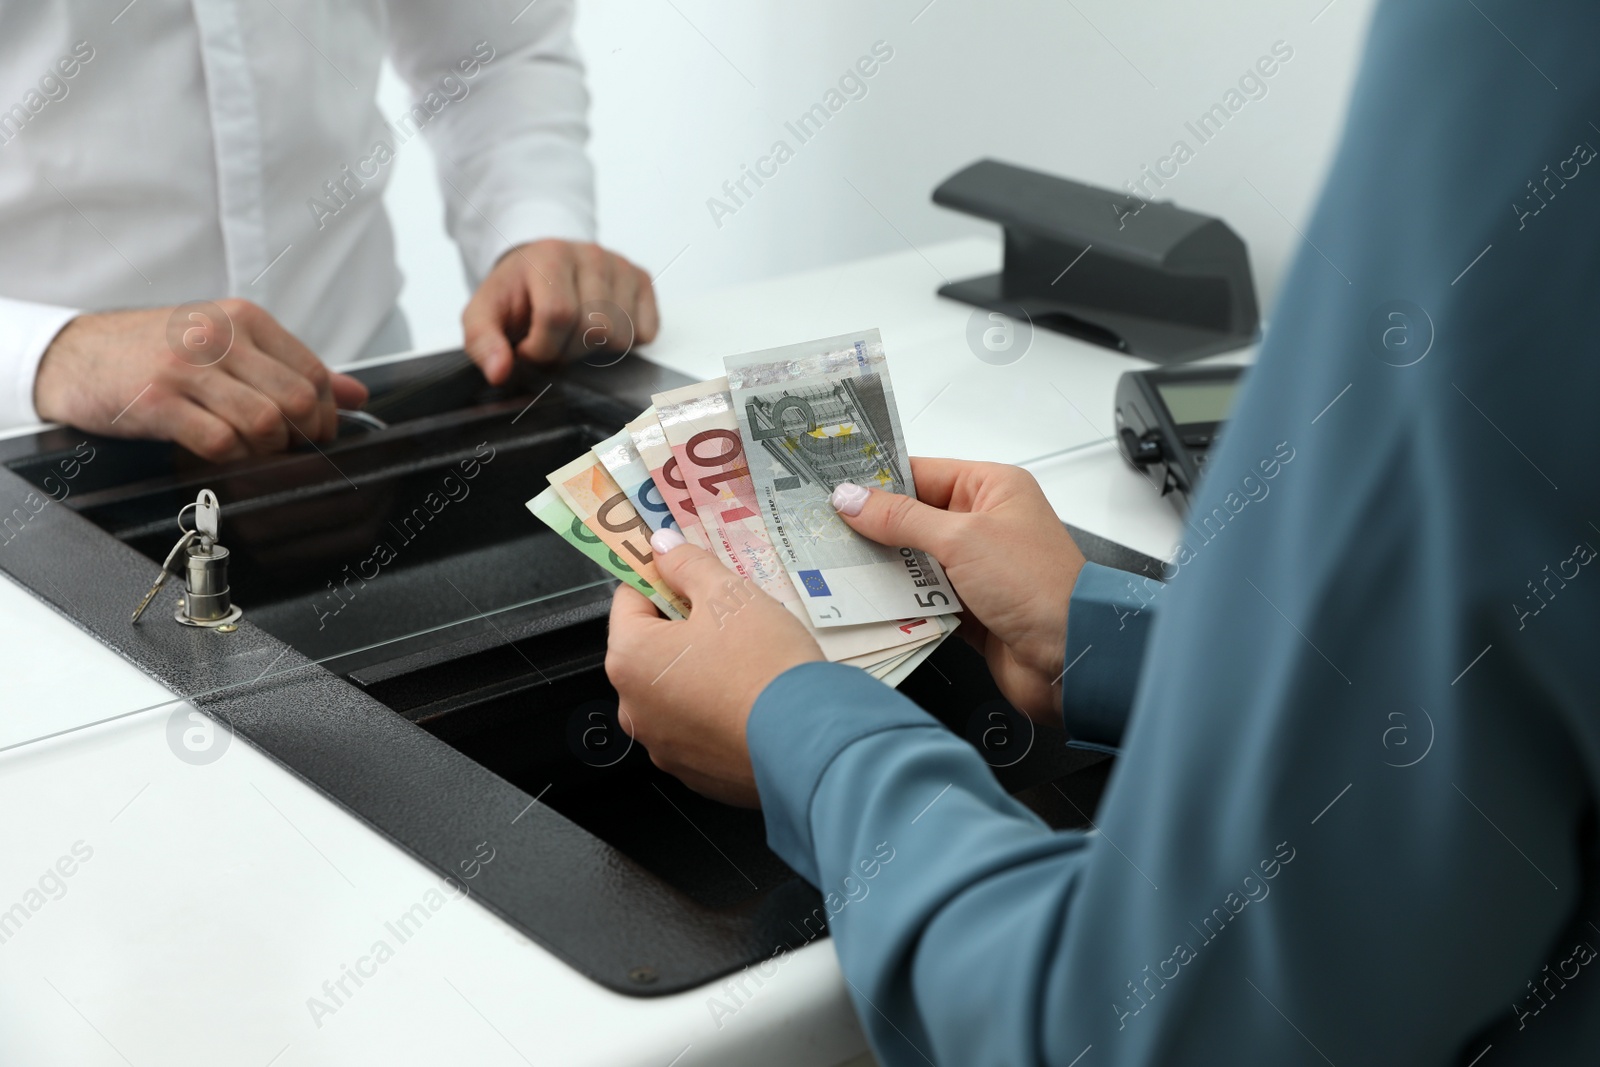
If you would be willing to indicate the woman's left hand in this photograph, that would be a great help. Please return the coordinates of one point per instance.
(686, 688)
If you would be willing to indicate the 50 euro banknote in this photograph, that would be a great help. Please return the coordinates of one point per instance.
(602, 506)
(814, 415)
(550, 509)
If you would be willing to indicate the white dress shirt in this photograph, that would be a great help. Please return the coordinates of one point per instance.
(176, 150)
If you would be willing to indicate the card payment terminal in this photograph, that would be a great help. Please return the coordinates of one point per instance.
(1169, 418)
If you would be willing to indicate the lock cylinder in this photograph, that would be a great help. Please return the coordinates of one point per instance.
(207, 598)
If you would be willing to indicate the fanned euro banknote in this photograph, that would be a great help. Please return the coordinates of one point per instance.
(550, 509)
(815, 415)
(594, 496)
(621, 460)
(651, 443)
(743, 466)
(703, 432)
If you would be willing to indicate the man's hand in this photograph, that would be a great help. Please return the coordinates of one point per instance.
(529, 305)
(686, 688)
(1009, 558)
(222, 389)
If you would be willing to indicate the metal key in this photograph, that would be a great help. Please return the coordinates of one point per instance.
(207, 515)
(166, 571)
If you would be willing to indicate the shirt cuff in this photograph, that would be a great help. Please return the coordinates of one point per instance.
(1108, 626)
(26, 331)
(525, 223)
(800, 723)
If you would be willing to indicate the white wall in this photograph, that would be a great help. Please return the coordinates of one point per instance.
(687, 91)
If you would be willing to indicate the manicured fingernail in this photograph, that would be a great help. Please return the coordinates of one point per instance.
(665, 540)
(848, 498)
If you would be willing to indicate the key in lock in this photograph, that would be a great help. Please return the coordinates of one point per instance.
(207, 599)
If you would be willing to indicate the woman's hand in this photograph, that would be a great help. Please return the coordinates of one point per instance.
(686, 688)
(1010, 559)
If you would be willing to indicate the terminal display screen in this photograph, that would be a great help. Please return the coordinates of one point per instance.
(1198, 402)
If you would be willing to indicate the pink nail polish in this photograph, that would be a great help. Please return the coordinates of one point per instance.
(848, 498)
(665, 540)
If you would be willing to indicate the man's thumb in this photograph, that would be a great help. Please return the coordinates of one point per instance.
(892, 518)
(689, 571)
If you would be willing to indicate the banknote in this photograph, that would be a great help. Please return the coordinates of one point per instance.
(902, 668)
(895, 665)
(701, 428)
(703, 433)
(597, 500)
(876, 663)
(885, 668)
(550, 509)
(656, 455)
(814, 415)
(621, 460)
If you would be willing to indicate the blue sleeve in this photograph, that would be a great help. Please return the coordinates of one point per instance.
(926, 865)
(1354, 815)
(1108, 623)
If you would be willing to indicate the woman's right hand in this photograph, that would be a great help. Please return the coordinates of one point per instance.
(1010, 559)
